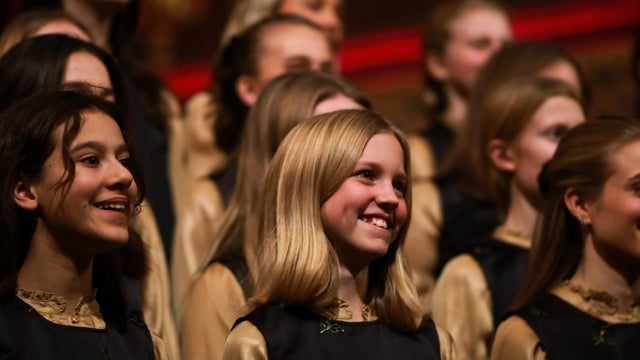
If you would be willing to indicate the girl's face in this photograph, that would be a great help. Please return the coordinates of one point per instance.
(363, 217)
(290, 47)
(474, 37)
(563, 70)
(615, 215)
(85, 68)
(539, 139)
(325, 13)
(94, 213)
(334, 103)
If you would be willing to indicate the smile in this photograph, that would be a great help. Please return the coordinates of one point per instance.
(381, 223)
(119, 207)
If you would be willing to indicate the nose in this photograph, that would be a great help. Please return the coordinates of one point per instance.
(387, 197)
(120, 176)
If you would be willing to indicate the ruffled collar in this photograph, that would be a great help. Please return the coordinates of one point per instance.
(599, 304)
(51, 307)
(341, 311)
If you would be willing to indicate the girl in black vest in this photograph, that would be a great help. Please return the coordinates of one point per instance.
(581, 297)
(332, 281)
(69, 188)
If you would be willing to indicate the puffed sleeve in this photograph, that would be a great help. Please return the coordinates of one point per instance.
(245, 342)
(211, 307)
(461, 303)
(515, 340)
(192, 242)
(155, 290)
(422, 160)
(421, 244)
(447, 345)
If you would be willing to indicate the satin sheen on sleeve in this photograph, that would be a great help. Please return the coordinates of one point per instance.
(515, 340)
(245, 342)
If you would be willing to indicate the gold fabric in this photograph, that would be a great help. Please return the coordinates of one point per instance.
(423, 165)
(516, 340)
(51, 307)
(155, 290)
(86, 314)
(421, 244)
(192, 243)
(245, 342)
(462, 300)
(211, 307)
(461, 303)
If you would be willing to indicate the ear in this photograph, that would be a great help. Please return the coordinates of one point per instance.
(435, 66)
(577, 205)
(24, 197)
(247, 89)
(501, 155)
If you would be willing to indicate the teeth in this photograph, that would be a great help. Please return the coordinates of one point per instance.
(378, 222)
(112, 206)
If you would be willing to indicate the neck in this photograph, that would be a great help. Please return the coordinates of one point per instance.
(48, 268)
(455, 114)
(595, 273)
(96, 19)
(521, 216)
(353, 289)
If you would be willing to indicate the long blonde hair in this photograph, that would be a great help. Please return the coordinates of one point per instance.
(297, 263)
(285, 101)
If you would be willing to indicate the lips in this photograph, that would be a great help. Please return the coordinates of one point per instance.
(121, 206)
(379, 221)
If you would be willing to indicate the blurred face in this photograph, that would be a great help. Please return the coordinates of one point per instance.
(335, 103)
(291, 47)
(102, 194)
(86, 68)
(474, 37)
(539, 139)
(563, 71)
(615, 214)
(63, 27)
(325, 13)
(363, 217)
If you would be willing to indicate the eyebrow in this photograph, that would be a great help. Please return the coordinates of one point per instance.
(97, 146)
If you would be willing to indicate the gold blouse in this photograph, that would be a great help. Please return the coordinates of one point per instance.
(462, 304)
(211, 307)
(516, 340)
(246, 342)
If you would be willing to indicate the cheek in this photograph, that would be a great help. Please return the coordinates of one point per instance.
(401, 214)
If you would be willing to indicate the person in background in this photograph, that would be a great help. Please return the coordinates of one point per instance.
(51, 60)
(41, 22)
(225, 280)
(515, 131)
(581, 296)
(155, 111)
(70, 188)
(269, 48)
(459, 38)
(451, 212)
(331, 279)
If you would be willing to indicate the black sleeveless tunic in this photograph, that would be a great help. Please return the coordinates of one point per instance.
(295, 333)
(25, 334)
(504, 266)
(568, 333)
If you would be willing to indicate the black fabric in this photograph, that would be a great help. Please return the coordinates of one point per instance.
(237, 263)
(504, 267)
(225, 180)
(440, 138)
(568, 333)
(152, 146)
(25, 334)
(464, 221)
(296, 333)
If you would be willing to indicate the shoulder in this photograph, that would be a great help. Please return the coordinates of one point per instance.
(463, 270)
(245, 341)
(516, 340)
(217, 279)
(422, 160)
(200, 103)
